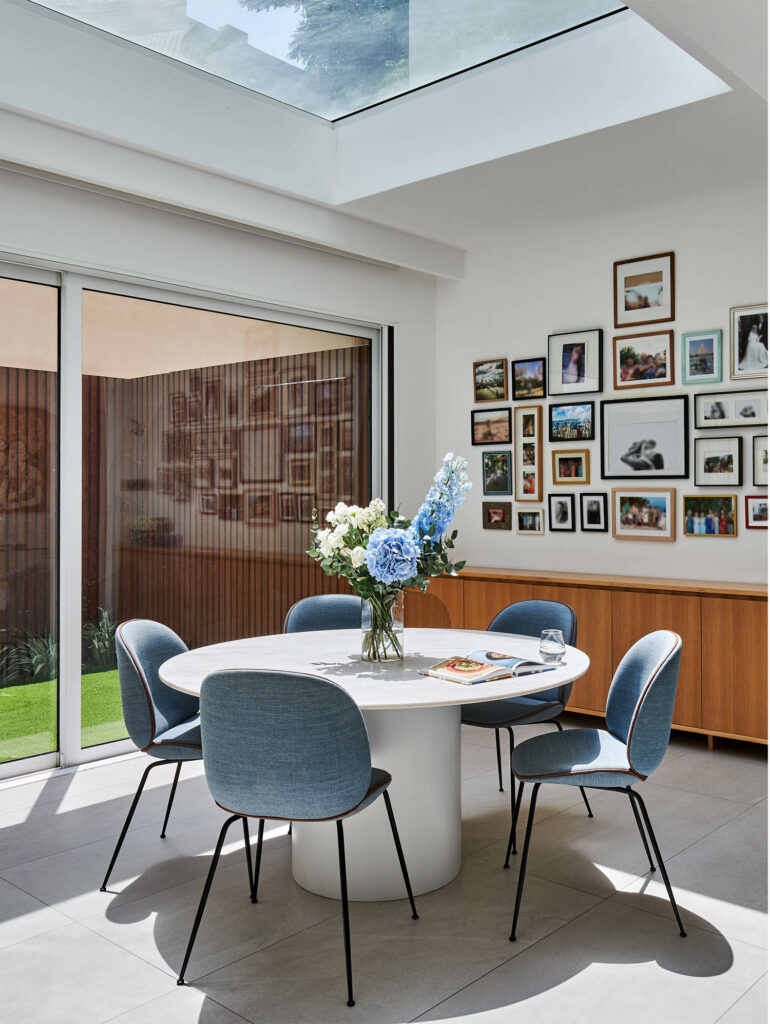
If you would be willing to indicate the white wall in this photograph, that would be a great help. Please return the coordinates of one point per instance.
(556, 275)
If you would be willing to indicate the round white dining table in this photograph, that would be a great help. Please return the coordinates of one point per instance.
(413, 723)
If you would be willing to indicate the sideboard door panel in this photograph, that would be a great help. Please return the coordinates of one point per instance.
(441, 607)
(735, 666)
(483, 600)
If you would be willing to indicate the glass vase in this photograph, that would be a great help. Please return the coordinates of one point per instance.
(382, 628)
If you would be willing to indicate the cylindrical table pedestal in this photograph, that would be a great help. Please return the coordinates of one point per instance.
(420, 748)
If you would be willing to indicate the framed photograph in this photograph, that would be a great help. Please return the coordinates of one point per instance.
(178, 408)
(574, 422)
(701, 357)
(644, 290)
(496, 515)
(645, 437)
(644, 513)
(530, 520)
(593, 513)
(327, 434)
(166, 480)
(287, 506)
(575, 362)
(346, 435)
(300, 470)
(529, 378)
(300, 437)
(759, 454)
(719, 409)
(230, 507)
(490, 426)
(258, 508)
(304, 507)
(212, 399)
(561, 512)
(490, 380)
(529, 453)
(254, 466)
(297, 397)
(203, 473)
(177, 445)
(182, 483)
(207, 504)
(748, 341)
(756, 511)
(643, 360)
(718, 461)
(326, 479)
(194, 412)
(327, 397)
(227, 471)
(233, 404)
(496, 469)
(711, 515)
(572, 466)
(260, 401)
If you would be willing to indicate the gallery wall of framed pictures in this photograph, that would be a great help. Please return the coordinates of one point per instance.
(665, 405)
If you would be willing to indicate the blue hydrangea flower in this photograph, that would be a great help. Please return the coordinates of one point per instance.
(391, 555)
(447, 493)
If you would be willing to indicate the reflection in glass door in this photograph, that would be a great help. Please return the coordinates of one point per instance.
(29, 339)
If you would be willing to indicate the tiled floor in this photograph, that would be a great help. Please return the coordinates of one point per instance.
(597, 941)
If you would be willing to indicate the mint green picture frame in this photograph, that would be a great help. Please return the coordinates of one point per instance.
(690, 338)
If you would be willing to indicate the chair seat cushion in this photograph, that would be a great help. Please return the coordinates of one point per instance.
(380, 781)
(492, 714)
(575, 757)
(181, 742)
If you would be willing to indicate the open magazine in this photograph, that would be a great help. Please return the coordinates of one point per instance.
(483, 666)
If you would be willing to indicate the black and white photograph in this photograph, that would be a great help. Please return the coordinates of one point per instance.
(720, 409)
(644, 290)
(496, 468)
(759, 453)
(593, 513)
(718, 461)
(573, 422)
(748, 341)
(530, 521)
(561, 512)
(575, 362)
(644, 437)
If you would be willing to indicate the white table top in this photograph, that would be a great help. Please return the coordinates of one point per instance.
(335, 654)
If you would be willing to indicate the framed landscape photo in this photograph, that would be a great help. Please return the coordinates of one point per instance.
(748, 341)
(490, 380)
(529, 379)
(701, 357)
(496, 515)
(719, 461)
(759, 454)
(645, 437)
(571, 466)
(491, 426)
(530, 521)
(720, 409)
(712, 515)
(756, 511)
(561, 512)
(644, 290)
(643, 513)
(573, 422)
(496, 468)
(528, 453)
(643, 360)
(593, 513)
(575, 362)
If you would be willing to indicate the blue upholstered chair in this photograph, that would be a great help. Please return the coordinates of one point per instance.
(289, 747)
(526, 618)
(325, 611)
(640, 706)
(162, 722)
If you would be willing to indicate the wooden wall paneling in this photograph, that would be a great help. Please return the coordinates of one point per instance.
(482, 601)
(734, 654)
(441, 607)
(594, 619)
(635, 613)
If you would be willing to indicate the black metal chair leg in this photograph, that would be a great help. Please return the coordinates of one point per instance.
(171, 798)
(524, 855)
(129, 816)
(247, 847)
(400, 852)
(499, 761)
(513, 779)
(345, 914)
(635, 796)
(585, 801)
(257, 861)
(639, 826)
(205, 894)
(514, 823)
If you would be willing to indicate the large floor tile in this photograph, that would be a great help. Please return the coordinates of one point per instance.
(184, 1005)
(613, 963)
(22, 916)
(72, 976)
(734, 773)
(751, 1008)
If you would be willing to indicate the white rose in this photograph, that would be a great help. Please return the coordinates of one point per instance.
(357, 556)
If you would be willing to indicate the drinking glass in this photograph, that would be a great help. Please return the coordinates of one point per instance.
(552, 646)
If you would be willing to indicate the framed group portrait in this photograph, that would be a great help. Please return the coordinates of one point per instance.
(571, 466)
(575, 362)
(712, 515)
(644, 290)
(643, 513)
(643, 360)
(719, 461)
(645, 437)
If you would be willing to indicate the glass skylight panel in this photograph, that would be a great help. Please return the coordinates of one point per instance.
(333, 57)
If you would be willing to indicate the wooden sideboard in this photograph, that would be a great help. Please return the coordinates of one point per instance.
(723, 678)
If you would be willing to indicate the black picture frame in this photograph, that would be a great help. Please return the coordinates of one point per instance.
(698, 459)
(593, 336)
(587, 527)
(480, 414)
(654, 472)
(580, 437)
(569, 500)
(529, 397)
(754, 444)
(732, 417)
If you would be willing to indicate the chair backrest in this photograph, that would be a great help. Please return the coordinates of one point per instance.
(283, 745)
(149, 706)
(325, 611)
(640, 704)
(530, 618)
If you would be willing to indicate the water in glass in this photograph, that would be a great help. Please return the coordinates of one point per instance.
(552, 646)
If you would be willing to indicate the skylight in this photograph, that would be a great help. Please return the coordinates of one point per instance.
(334, 57)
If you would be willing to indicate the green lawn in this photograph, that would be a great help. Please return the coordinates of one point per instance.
(28, 715)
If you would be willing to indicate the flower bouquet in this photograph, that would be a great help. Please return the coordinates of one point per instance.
(383, 554)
